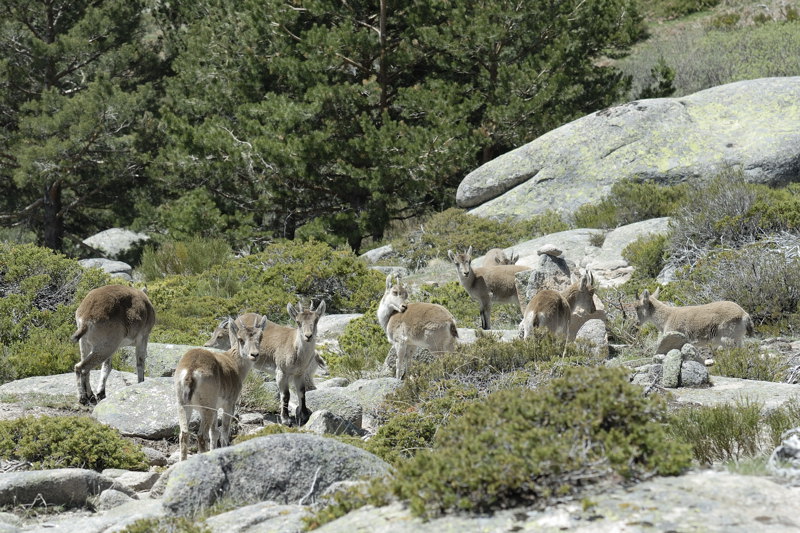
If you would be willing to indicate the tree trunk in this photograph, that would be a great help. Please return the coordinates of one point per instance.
(53, 220)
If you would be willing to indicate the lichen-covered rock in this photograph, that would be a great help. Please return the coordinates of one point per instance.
(693, 374)
(323, 422)
(671, 371)
(288, 468)
(337, 402)
(70, 487)
(671, 340)
(147, 409)
(594, 332)
(751, 124)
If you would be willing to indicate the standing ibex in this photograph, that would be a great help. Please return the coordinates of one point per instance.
(497, 256)
(219, 340)
(109, 317)
(207, 381)
(715, 324)
(407, 325)
(553, 310)
(292, 352)
(487, 284)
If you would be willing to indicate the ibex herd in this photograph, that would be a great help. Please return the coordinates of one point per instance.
(208, 380)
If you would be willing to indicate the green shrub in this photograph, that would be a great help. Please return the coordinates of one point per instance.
(363, 347)
(763, 281)
(189, 307)
(748, 363)
(402, 436)
(647, 255)
(630, 201)
(728, 432)
(724, 21)
(455, 229)
(269, 429)
(256, 396)
(41, 291)
(782, 419)
(166, 524)
(193, 256)
(530, 447)
(68, 442)
(677, 8)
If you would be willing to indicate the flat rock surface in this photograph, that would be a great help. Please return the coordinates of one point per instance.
(729, 390)
(705, 501)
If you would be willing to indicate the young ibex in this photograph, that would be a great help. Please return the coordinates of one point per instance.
(487, 284)
(497, 256)
(109, 317)
(553, 310)
(207, 381)
(219, 340)
(406, 324)
(292, 352)
(715, 324)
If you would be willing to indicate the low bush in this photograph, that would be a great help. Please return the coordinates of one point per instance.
(189, 307)
(647, 255)
(630, 201)
(527, 447)
(732, 432)
(68, 442)
(762, 280)
(455, 229)
(363, 347)
(193, 256)
(40, 292)
(748, 363)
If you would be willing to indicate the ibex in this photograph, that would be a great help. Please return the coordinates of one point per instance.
(219, 340)
(497, 256)
(407, 325)
(715, 324)
(207, 381)
(553, 310)
(488, 284)
(109, 317)
(292, 352)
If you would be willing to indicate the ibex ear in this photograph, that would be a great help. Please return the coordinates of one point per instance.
(657, 293)
(320, 310)
(451, 255)
(233, 329)
(261, 323)
(292, 311)
(388, 282)
(469, 251)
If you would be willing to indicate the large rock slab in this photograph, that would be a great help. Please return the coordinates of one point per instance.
(265, 517)
(716, 502)
(147, 409)
(70, 487)
(749, 124)
(162, 358)
(62, 387)
(285, 468)
(115, 519)
(119, 269)
(729, 390)
(117, 243)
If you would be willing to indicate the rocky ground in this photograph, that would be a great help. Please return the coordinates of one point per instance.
(272, 482)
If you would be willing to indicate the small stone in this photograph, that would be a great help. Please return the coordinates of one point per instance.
(659, 358)
(550, 250)
(251, 418)
(693, 374)
(672, 369)
(671, 340)
(690, 353)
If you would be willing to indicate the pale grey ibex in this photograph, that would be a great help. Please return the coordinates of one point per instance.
(207, 381)
(292, 352)
(715, 324)
(497, 256)
(219, 340)
(487, 284)
(408, 325)
(109, 317)
(553, 310)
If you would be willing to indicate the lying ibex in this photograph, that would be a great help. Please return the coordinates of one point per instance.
(715, 324)
(553, 310)
(207, 381)
(487, 284)
(407, 325)
(292, 352)
(109, 317)
(219, 340)
(497, 256)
